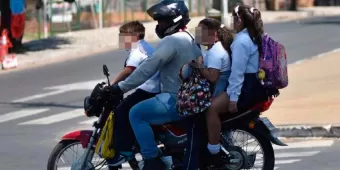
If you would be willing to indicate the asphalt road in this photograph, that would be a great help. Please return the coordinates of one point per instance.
(315, 155)
(33, 117)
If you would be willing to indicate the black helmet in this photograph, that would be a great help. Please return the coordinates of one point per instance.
(173, 13)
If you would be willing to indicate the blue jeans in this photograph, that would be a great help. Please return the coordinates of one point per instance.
(158, 110)
(123, 134)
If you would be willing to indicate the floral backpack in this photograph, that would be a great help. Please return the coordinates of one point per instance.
(273, 64)
(194, 95)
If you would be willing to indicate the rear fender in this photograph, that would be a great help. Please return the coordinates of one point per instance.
(83, 136)
(262, 129)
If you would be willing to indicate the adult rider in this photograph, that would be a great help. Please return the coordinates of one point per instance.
(175, 49)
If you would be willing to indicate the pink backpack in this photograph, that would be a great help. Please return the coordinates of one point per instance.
(273, 62)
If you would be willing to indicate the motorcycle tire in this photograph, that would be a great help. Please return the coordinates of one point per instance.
(59, 148)
(267, 147)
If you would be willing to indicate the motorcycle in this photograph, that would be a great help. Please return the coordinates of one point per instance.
(171, 137)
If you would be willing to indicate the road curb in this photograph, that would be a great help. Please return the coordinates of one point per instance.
(308, 131)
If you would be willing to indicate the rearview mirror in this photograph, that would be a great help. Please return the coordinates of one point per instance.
(106, 71)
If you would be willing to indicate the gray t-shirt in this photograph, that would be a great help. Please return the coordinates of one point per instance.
(170, 55)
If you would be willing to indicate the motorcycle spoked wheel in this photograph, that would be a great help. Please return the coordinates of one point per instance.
(266, 146)
(58, 151)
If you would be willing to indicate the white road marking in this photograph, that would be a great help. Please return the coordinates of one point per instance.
(294, 145)
(289, 161)
(56, 118)
(86, 85)
(296, 154)
(69, 168)
(89, 122)
(305, 144)
(21, 113)
(39, 96)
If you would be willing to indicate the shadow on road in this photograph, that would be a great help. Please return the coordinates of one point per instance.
(40, 104)
(44, 44)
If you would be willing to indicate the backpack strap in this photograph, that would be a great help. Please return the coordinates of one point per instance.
(193, 39)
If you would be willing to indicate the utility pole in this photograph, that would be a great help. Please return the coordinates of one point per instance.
(224, 12)
(45, 12)
(214, 10)
(100, 14)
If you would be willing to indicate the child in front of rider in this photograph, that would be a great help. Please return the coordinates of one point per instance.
(131, 38)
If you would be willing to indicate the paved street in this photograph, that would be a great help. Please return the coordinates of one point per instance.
(301, 154)
(39, 105)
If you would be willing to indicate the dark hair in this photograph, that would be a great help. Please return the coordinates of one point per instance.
(133, 27)
(253, 22)
(224, 34)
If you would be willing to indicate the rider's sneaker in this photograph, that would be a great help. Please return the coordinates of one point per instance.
(120, 158)
(154, 164)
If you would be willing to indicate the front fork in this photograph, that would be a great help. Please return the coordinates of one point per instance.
(89, 152)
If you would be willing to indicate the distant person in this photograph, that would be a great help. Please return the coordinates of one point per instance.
(17, 23)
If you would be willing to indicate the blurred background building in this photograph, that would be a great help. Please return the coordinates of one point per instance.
(45, 18)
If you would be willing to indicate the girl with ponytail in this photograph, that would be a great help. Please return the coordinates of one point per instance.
(244, 89)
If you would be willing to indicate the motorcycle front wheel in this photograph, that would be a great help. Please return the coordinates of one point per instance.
(58, 157)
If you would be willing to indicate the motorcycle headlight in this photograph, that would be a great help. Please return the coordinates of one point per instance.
(92, 107)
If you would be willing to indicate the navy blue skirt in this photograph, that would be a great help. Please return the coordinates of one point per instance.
(252, 92)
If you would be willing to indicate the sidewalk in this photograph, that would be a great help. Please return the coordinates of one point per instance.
(311, 102)
(78, 44)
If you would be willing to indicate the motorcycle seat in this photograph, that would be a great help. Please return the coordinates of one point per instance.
(256, 109)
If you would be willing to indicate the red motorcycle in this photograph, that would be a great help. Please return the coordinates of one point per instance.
(171, 138)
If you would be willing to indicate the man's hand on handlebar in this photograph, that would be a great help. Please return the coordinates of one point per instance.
(113, 89)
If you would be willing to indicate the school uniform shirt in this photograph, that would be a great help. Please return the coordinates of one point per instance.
(217, 57)
(136, 57)
(245, 57)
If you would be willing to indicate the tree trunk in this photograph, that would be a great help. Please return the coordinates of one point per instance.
(293, 6)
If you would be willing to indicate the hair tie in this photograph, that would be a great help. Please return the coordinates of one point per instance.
(252, 9)
(222, 25)
(236, 10)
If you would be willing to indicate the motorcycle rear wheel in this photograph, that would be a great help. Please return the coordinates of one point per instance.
(267, 148)
(57, 152)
